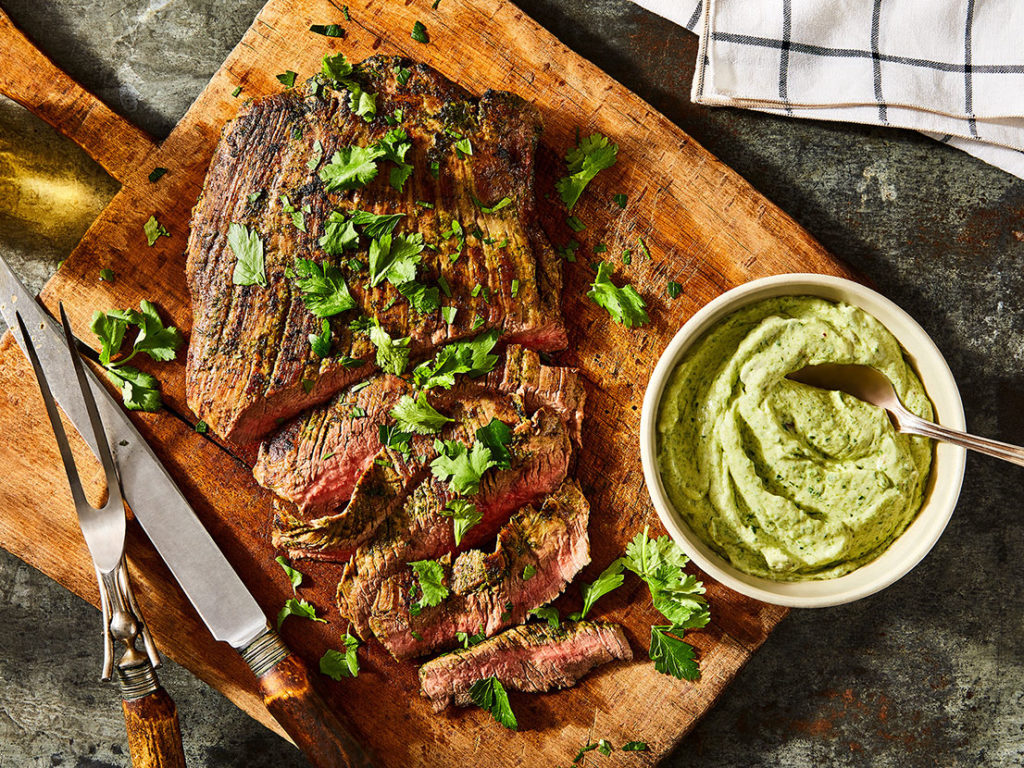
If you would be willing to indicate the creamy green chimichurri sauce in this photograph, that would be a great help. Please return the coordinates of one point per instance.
(787, 481)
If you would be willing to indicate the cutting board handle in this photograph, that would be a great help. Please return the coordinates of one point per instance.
(28, 77)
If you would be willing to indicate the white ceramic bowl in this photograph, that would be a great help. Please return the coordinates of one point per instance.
(947, 469)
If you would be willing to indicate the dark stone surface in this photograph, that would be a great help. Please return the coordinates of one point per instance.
(926, 673)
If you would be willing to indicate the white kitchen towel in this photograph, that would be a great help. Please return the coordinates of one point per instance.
(953, 69)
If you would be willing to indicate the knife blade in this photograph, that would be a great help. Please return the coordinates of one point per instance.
(209, 581)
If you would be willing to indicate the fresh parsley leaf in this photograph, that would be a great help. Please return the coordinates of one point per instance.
(590, 746)
(422, 298)
(490, 694)
(419, 33)
(394, 145)
(496, 436)
(139, 391)
(110, 329)
(575, 224)
(674, 289)
(107, 275)
(323, 288)
(339, 234)
(395, 257)
(430, 575)
(591, 156)
(287, 79)
(402, 75)
(392, 437)
(503, 203)
(672, 656)
(643, 248)
(515, 288)
(464, 515)
(159, 342)
(417, 415)
(375, 225)
(529, 571)
(472, 358)
(344, 12)
(461, 466)
(301, 608)
(297, 216)
(463, 147)
(361, 103)
(549, 614)
(321, 342)
(350, 168)
(238, 90)
(202, 427)
(392, 354)
(448, 313)
(154, 229)
(611, 578)
(338, 665)
(316, 155)
(604, 747)
(620, 200)
(624, 304)
(336, 67)
(248, 249)
(328, 30)
(677, 595)
(469, 640)
(634, 746)
(157, 173)
(627, 257)
(293, 575)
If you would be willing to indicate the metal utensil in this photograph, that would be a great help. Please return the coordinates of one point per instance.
(867, 384)
(151, 718)
(213, 587)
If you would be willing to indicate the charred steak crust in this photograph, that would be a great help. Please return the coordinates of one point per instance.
(531, 658)
(250, 365)
(490, 592)
(315, 460)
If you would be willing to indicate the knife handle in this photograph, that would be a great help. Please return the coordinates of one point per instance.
(290, 696)
(151, 719)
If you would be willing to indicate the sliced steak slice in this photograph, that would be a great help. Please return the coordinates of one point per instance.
(417, 531)
(538, 553)
(316, 459)
(250, 363)
(531, 658)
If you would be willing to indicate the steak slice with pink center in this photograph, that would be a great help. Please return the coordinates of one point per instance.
(531, 658)
(417, 530)
(538, 553)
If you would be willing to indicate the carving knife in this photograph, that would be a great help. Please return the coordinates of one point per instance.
(213, 587)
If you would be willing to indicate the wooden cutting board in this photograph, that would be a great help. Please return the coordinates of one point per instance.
(705, 228)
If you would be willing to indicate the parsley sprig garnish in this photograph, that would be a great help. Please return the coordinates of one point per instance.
(338, 665)
(490, 694)
(624, 304)
(430, 577)
(588, 158)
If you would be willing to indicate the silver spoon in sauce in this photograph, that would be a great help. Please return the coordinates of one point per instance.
(867, 384)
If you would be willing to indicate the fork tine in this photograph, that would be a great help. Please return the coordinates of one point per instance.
(77, 493)
(102, 443)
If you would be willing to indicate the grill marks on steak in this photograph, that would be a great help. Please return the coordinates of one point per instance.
(249, 354)
(531, 658)
(315, 460)
(489, 592)
(417, 531)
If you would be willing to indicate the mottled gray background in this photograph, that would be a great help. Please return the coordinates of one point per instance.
(927, 673)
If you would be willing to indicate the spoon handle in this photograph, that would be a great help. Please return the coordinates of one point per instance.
(917, 426)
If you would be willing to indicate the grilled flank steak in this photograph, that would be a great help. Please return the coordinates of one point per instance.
(531, 658)
(250, 363)
(539, 551)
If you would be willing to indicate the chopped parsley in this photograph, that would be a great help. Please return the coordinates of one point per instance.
(328, 30)
(417, 415)
(344, 12)
(293, 575)
(620, 200)
(472, 358)
(448, 313)
(624, 304)
(298, 217)
(503, 203)
(156, 173)
(671, 655)
(287, 79)
(430, 577)
(677, 595)
(634, 746)
(202, 427)
(549, 614)
(611, 578)
(237, 91)
(463, 148)
(395, 257)
(376, 224)
(392, 354)
(402, 75)
(575, 224)
(154, 229)
(338, 665)
(323, 288)
(316, 156)
(497, 435)
(468, 640)
(627, 256)
(339, 234)
(529, 571)
(422, 298)
(419, 33)
(392, 437)
(600, 248)
(464, 515)
(107, 275)
(298, 607)
(462, 466)
(674, 289)
(643, 248)
(248, 249)
(443, 285)
(350, 168)
(490, 694)
(588, 158)
(515, 287)
(321, 342)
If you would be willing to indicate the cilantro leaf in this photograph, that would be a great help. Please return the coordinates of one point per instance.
(298, 217)
(496, 436)
(529, 571)
(336, 67)
(611, 578)
(490, 694)
(287, 79)
(419, 33)
(672, 656)
(321, 342)
(350, 168)
(677, 595)
(293, 575)
(361, 102)
(464, 515)
(549, 614)
(469, 640)
(316, 156)
(107, 275)
(430, 575)
(375, 225)
(139, 390)
(338, 665)
(154, 229)
(591, 156)
(159, 342)
(323, 287)
(472, 358)
(394, 145)
(417, 415)
(110, 329)
(395, 257)
(461, 466)
(392, 437)
(392, 354)
(623, 304)
(339, 234)
(422, 298)
(328, 30)
(634, 746)
(248, 249)
(294, 607)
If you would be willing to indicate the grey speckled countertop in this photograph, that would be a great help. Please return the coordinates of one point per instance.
(927, 673)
